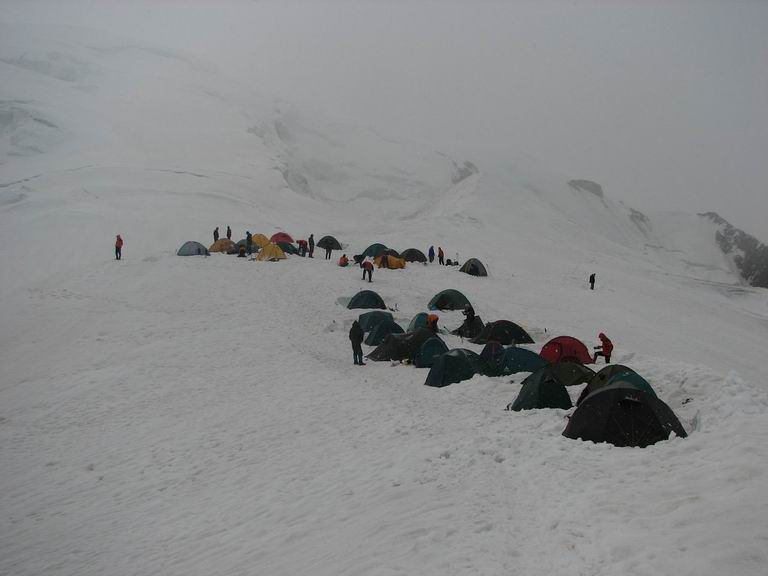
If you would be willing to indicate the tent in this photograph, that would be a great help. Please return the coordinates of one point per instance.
(221, 245)
(381, 331)
(413, 255)
(469, 330)
(521, 360)
(503, 332)
(418, 321)
(260, 240)
(429, 351)
(393, 262)
(390, 252)
(401, 346)
(369, 320)
(192, 249)
(329, 242)
(541, 392)
(373, 250)
(244, 244)
(623, 416)
(600, 380)
(566, 349)
(288, 248)
(271, 252)
(281, 237)
(366, 299)
(493, 353)
(454, 366)
(571, 373)
(632, 380)
(474, 267)
(448, 300)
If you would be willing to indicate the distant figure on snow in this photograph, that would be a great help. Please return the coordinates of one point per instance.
(311, 245)
(118, 247)
(384, 261)
(440, 256)
(604, 349)
(248, 242)
(431, 254)
(356, 337)
(328, 250)
(229, 233)
(592, 281)
(241, 252)
(367, 267)
(343, 261)
(302, 247)
(469, 312)
(216, 234)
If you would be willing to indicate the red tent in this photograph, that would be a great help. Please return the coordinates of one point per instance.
(281, 237)
(566, 349)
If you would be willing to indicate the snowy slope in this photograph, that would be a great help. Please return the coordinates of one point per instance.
(167, 415)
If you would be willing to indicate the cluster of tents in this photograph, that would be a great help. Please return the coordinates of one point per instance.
(617, 405)
(266, 249)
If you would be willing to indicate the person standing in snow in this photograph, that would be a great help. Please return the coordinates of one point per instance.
(328, 251)
(248, 242)
(431, 254)
(311, 245)
(356, 337)
(469, 312)
(367, 267)
(216, 234)
(229, 233)
(604, 349)
(118, 247)
(592, 281)
(440, 256)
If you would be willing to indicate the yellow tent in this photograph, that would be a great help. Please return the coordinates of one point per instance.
(271, 252)
(260, 240)
(393, 263)
(221, 245)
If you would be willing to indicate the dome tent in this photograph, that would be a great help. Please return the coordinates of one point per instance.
(288, 248)
(448, 300)
(454, 366)
(430, 350)
(366, 299)
(192, 248)
(271, 252)
(474, 267)
(623, 416)
(566, 349)
(221, 245)
(260, 240)
(281, 237)
(541, 392)
(600, 379)
(369, 320)
(401, 346)
(373, 250)
(503, 332)
(381, 331)
(413, 255)
(329, 242)
(521, 360)
(418, 321)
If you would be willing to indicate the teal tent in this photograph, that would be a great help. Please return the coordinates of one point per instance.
(454, 366)
(418, 321)
(381, 331)
(429, 351)
(329, 242)
(288, 248)
(366, 299)
(503, 332)
(521, 360)
(448, 300)
(369, 320)
(546, 392)
(474, 267)
(633, 380)
(373, 250)
(600, 380)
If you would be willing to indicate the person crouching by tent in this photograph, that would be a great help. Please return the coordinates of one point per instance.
(432, 322)
(604, 349)
(343, 261)
(118, 247)
(367, 267)
(356, 337)
(440, 256)
(302, 247)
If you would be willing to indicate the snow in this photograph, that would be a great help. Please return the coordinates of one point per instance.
(167, 415)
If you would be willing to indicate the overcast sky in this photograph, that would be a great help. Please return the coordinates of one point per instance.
(664, 103)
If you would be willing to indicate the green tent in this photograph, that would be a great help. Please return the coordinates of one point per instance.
(429, 351)
(454, 366)
(373, 250)
(381, 331)
(448, 300)
(633, 380)
(418, 321)
(474, 267)
(600, 380)
(546, 392)
(503, 332)
(521, 360)
(288, 248)
(369, 320)
(329, 242)
(413, 255)
(366, 299)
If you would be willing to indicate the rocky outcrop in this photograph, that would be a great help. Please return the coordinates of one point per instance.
(749, 254)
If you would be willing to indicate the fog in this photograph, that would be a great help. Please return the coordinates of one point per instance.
(663, 103)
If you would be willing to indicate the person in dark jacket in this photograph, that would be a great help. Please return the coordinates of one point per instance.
(431, 254)
(311, 243)
(216, 234)
(604, 350)
(248, 242)
(440, 256)
(328, 252)
(592, 281)
(356, 335)
(229, 233)
(469, 312)
(367, 267)
(118, 247)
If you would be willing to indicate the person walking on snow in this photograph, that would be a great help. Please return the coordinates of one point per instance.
(604, 349)
(367, 267)
(118, 247)
(440, 256)
(229, 233)
(216, 234)
(592, 281)
(356, 337)
(431, 254)
(311, 245)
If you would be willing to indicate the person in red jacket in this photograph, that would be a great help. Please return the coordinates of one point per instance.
(367, 267)
(343, 261)
(440, 256)
(604, 349)
(118, 248)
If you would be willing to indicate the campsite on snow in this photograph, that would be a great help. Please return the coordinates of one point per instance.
(246, 332)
